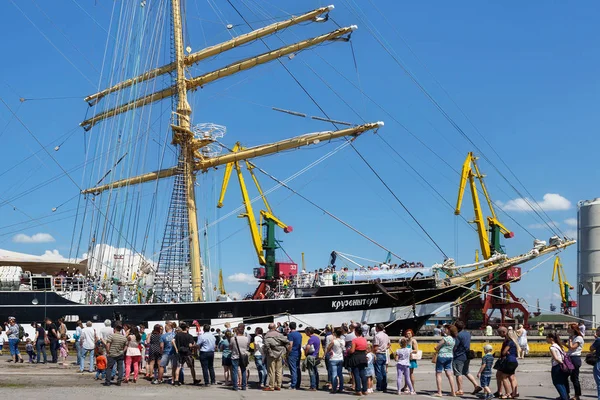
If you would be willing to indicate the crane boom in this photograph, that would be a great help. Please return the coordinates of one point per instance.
(470, 172)
(265, 248)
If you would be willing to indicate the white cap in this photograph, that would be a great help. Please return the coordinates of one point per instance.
(330, 7)
(353, 27)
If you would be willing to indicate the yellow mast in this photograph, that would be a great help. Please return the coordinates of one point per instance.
(182, 120)
(201, 80)
(212, 51)
(250, 152)
(190, 155)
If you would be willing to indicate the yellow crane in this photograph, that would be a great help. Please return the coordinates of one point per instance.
(470, 172)
(221, 287)
(558, 272)
(497, 295)
(264, 247)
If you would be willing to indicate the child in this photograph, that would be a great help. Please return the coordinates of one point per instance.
(100, 363)
(403, 366)
(30, 352)
(64, 350)
(3, 338)
(485, 372)
(370, 371)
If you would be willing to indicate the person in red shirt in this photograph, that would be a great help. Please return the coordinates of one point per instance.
(100, 363)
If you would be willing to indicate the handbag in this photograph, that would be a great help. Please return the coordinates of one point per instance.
(416, 356)
(357, 358)
(500, 364)
(244, 360)
(591, 359)
(434, 358)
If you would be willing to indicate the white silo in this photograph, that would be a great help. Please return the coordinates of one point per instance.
(588, 260)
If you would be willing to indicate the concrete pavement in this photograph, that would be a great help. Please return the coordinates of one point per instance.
(27, 381)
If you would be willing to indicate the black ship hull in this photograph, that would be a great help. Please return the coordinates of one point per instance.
(399, 305)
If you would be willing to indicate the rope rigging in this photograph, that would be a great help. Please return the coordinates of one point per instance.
(314, 101)
(378, 37)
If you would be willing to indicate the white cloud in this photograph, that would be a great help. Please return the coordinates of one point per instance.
(571, 222)
(550, 202)
(37, 238)
(243, 278)
(53, 255)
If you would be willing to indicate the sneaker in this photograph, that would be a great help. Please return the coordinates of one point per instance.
(156, 382)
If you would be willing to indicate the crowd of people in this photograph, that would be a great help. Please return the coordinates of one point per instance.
(120, 353)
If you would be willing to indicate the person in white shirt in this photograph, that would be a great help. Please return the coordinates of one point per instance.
(88, 343)
(3, 339)
(335, 348)
(559, 378)
(574, 347)
(105, 331)
(259, 358)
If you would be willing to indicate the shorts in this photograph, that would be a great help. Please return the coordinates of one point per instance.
(510, 368)
(443, 364)
(186, 358)
(166, 358)
(460, 367)
(156, 357)
(226, 362)
(413, 364)
(370, 371)
(484, 380)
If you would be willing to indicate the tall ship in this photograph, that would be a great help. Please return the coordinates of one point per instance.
(123, 210)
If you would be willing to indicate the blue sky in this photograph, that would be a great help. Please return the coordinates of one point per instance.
(524, 74)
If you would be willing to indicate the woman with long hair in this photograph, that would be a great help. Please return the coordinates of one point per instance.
(133, 354)
(507, 365)
(559, 378)
(413, 346)
(154, 353)
(444, 358)
(225, 347)
(335, 349)
(358, 361)
(574, 347)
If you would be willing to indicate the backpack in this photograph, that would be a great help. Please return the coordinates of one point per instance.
(567, 365)
(21, 332)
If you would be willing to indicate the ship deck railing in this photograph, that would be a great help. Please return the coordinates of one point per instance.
(318, 279)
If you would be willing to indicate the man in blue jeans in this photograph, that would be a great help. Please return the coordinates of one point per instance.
(294, 356)
(239, 357)
(381, 344)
